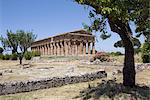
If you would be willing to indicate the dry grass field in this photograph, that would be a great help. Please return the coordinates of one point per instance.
(101, 89)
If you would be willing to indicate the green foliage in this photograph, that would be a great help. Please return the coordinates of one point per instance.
(146, 58)
(1, 56)
(6, 57)
(135, 41)
(36, 53)
(118, 14)
(28, 55)
(105, 36)
(25, 40)
(115, 12)
(115, 53)
(20, 39)
(146, 51)
(14, 56)
(10, 42)
(137, 50)
(1, 50)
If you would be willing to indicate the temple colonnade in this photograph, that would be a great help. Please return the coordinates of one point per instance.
(71, 43)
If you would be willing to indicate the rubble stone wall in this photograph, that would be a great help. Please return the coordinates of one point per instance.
(31, 85)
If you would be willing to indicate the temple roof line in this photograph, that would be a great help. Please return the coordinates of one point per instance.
(80, 32)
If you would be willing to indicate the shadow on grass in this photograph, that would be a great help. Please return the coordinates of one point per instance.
(112, 90)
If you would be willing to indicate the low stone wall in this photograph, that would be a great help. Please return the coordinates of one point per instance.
(31, 85)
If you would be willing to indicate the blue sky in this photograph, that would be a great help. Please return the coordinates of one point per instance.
(47, 18)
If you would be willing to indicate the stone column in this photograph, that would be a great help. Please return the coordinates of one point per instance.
(57, 49)
(35, 49)
(39, 49)
(81, 48)
(84, 48)
(89, 49)
(76, 48)
(66, 48)
(45, 49)
(93, 48)
(69, 48)
(51, 49)
(54, 44)
(73, 48)
(48, 45)
(61, 49)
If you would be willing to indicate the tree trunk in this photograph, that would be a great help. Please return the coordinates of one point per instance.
(20, 58)
(129, 66)
(20, 61)
(125, 33)
(13, 51)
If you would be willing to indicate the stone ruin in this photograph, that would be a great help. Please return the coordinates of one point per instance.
(31, 85)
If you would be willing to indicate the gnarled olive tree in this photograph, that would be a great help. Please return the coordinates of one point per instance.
(118, 14)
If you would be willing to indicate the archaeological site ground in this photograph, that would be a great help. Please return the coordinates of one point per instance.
(69, 68)
(70, 78)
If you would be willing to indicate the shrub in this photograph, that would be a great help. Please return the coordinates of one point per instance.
(146, 52)
(28, 55)
(36, 53)
(102, 56)
(1, 50)
(14, 56)
(6, 57)
(145, 58)
(1, 56)
(115, 53)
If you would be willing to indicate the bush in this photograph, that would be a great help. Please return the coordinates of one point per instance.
(102, 56)
(115, 53)
(14, 56)
(36, 53)
(6, 57)
(1, 56)
(146, 52)
(145, 58)
(28, 55)
(1, 50)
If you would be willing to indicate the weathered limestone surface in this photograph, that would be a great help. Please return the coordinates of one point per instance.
(31, 85)
(71, 43)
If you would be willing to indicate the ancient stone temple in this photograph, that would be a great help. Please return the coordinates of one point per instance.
(78, 42)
